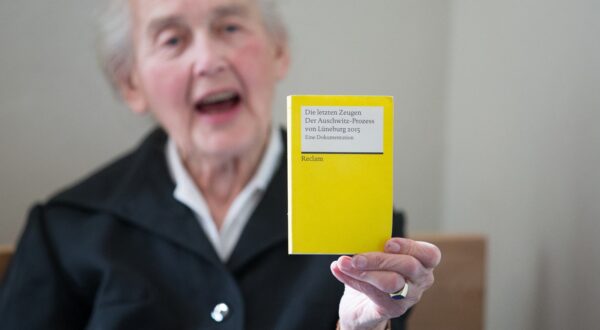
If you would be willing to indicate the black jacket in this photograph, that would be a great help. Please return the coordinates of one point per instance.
(117, 251)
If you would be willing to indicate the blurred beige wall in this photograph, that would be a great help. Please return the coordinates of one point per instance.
(522, 145)
(497, 115)
(58, 119)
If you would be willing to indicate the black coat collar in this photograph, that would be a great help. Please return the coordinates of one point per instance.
(138, 189)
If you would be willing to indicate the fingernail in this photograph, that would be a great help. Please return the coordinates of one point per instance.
(345, 263)
(393, 247)
(359, 262)
(427, 244)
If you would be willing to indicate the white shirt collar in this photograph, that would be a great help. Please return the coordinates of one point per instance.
(243, 205)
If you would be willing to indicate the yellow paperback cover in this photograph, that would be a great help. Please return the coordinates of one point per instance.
(340, 173)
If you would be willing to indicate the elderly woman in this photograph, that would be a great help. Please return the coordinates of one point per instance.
(188, 231)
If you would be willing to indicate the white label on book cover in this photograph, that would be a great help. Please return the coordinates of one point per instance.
(342, 129)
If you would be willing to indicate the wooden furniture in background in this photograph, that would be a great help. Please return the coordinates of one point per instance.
(5, 254)
(456, 300)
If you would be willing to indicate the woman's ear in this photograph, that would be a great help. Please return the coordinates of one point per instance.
(132, 93)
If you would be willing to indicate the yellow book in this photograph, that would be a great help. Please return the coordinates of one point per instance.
(340, 173)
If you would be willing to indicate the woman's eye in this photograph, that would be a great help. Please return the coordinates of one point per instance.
(173, 41)
(231, 28)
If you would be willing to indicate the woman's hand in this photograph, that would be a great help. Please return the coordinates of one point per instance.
(371, 277)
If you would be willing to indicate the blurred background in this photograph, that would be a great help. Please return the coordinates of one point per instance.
(497, 125)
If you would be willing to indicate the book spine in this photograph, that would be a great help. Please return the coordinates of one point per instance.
(290, 131)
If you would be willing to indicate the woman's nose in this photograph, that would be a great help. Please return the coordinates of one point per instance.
(209, 57)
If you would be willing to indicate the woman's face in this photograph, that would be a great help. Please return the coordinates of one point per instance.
(207, 70)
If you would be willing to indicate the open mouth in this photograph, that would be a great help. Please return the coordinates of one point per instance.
(218, 103)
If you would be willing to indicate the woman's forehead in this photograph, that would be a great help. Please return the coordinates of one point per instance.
(146, 11)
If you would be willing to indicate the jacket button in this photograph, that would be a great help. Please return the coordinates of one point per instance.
(220, 312)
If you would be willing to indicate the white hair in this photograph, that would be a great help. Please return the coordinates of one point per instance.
(114, 36)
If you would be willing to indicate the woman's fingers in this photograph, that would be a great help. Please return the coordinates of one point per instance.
(428, 254)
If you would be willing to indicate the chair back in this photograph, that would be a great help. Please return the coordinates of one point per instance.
(5, 255)
(456, 300)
